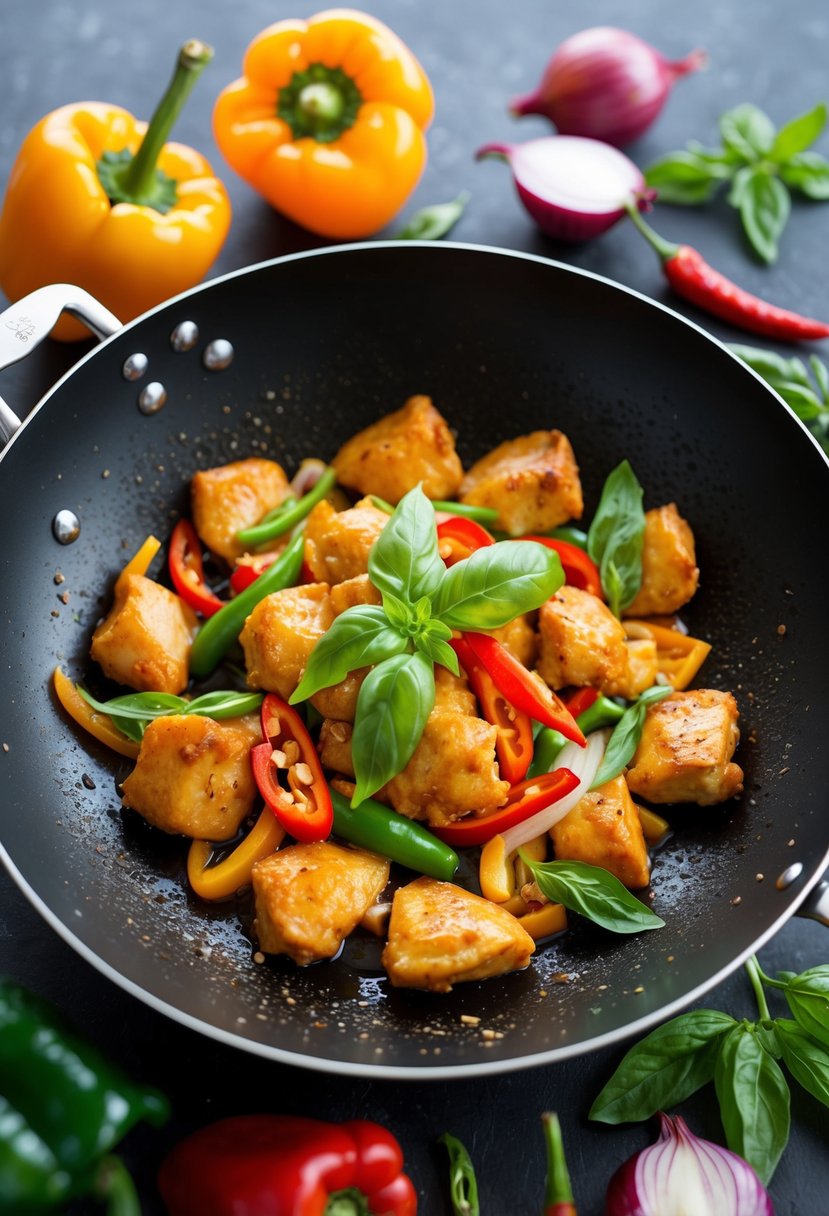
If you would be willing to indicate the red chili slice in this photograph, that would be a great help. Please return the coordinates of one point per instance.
(580, 699)
(187, 570)
(248, 569)
(524, 800)
(458, 537)
(579, 569)
(514, 741)
(303, 803)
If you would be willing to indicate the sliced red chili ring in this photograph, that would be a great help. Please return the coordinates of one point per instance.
(514, 741)
(580, 699)
(525, 799)
(579, 569)
(187, 570)
(248, 569)
(458, 537)
(289, 775)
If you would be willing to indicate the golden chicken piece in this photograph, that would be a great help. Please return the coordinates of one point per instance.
(340, 700)
(643, 668)
(145, 640)
(440, 935)
(309, 897)
(193, 775)
(235, 496)
(532, 482)
(520, 638)
(581, 642)
(603, 829)
(389, 458)
(684, 754)
(669, 568)
(337, 543)
(280, 634)
(354, 592)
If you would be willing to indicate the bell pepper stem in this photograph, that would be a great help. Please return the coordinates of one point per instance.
(346, 1203)
(755, 974)
(558, 1197)
(665, 249)
(114, 1187)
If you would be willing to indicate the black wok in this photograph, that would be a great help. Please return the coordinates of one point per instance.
(324, 343)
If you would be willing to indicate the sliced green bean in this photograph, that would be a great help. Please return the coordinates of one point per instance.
(280, 521)
(382, 505)
(481, 515)
(374, 826)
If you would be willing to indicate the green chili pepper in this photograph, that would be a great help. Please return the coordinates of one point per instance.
(548, 743)
(374, 826)
(573, 536)
(220, 631)
(558, 1197)
(63, 1107)
(278, 522)
(381, 504)
(603, 712)
(481, 515)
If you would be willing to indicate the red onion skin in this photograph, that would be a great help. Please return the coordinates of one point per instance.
(606, 84)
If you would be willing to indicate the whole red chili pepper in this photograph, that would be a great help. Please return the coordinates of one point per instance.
(277, 1165)
(692, 278)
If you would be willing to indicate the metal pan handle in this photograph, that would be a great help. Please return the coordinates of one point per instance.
(25, 324)
(816, 903)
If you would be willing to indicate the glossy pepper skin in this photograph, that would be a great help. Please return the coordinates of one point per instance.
(59, 224)
(328, 122)
(278, 1165)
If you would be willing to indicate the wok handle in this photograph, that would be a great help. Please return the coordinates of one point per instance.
(816, 903)
(25, 324)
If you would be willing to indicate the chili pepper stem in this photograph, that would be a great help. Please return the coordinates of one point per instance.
(115, 1187)
(754, 974)
(559, 1192)
(692, 62)
(496, 151)
(665, 249)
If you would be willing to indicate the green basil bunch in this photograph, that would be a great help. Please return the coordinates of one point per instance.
(761, 164)
(423, 602)
(807, 397)
(741, 1058)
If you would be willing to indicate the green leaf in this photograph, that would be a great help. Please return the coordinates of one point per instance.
(431, 223)
(771, 366)
(404, 560)
(594, 893)
(399, 613)
(394, 702)
(748, 132)
(686, 178)
(623, 742)
(802, 401)
(740, 184)
(438, 650)
(805, 1059)
(664, 1068)
(821, 375)
(809, 173)
(764, 206)
(808, 998)
(614, 539)
(358, 637)
(798, 135)
(222, 705)
(754, 1100)
(497, 583)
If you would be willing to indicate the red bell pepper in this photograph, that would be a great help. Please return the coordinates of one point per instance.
(579, 569)
(458, 537)
(278, 1165)
(521, 688)
(187, 570)
(514, 741)
(523, 800)
(248, 569)
(302, 800)
(580, 699)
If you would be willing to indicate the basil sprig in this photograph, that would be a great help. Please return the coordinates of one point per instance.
(614, 540)
(422, 603)
(594, 893)
(623, 742)
(431, 223)
(761, 163)
(807, 397)
(741, 1058)
(133, 713)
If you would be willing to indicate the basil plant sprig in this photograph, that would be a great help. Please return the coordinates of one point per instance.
(616, 535)
(761, 164)
(423, 602)
(807, 397)
(742, 1058)
(132, 713)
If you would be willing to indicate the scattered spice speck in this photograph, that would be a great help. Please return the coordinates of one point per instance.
(759, 877)
(6, 747)
(469, 1019)
(59, 578)
(781, 630)
(105, 474)
(87, 781)
(790, 844)
(639, 989)
(259, 958)
(736, 901)
(64, 597)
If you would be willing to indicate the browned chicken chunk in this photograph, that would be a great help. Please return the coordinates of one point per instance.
(520, 638)
(440, 935)
(603, 829)
(669, 567)
(412, 445)
(532, 482)
(581, 642)
(145, 640)
(685, 751)
(232, 497)
(309, 897)
(280, 634)
(337, 543)
(193, 775)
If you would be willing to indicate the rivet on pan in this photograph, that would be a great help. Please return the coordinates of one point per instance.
(218, 355)
(184, 336)
(152, 398)
(789, 875)
(135, 366)
(66, 526)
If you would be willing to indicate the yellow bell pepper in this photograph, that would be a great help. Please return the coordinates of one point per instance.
(98, 725)
(328, 122)
(224, 880)
(96, 198)
(679, 657)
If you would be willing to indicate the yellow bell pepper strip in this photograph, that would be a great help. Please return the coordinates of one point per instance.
(496, 873)
(223, 880)
(96, 723)
(327, 123)
(141, 562)
(96, 198)
(654, 827)
(545, 921)
(678, 656)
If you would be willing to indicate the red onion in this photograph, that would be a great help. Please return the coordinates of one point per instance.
(606, 84)
(573, 188)
(681, 1175)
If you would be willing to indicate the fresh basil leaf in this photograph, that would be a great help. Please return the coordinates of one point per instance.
(614, 539)
(764, 207)
(438, 650)
(783, 977)
(805, 1059)
(133, 728)
(222, 705)
(754, 1100)
(686, 178)
(802, 401)
(808, 999)
(436, 629)
(358, 637)
(624, 740)
(726, 157)
(809, 173)
(497, 583)
(664, 1068)
(404, 560)
(747, 131)
(394, 702)
(594, 893)
(138, 705)
(771, 366)
(821, 375)
(399, 613)
(739, 185)
(431, 223)
(798, 135)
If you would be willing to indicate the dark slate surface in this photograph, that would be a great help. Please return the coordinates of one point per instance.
(478, 55)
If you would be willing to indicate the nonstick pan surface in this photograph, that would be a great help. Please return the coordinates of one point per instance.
(325, 343)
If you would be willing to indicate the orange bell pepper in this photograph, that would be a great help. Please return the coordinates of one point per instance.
(328, 122)
(96, 198)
